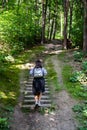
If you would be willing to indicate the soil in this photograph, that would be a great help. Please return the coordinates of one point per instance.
(62, 118)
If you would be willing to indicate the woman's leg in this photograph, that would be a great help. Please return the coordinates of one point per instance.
(39, 96)
(36, 99)
(39, 99)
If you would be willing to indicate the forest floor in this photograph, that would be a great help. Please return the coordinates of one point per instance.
(62, 118)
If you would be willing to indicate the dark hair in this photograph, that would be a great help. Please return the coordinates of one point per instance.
(38, 64)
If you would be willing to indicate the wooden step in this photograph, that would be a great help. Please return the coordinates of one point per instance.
(32, 101)
(29, 101)
(30, 92)
(30, 85)
(32, 96)
(33, 105)
(30, 88)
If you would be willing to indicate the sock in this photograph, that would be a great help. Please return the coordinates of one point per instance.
(36, 102)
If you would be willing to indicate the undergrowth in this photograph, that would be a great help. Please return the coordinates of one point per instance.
(10, 82)
(76, 83)
(52, 75)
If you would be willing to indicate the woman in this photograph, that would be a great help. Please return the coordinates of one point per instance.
(38, 87)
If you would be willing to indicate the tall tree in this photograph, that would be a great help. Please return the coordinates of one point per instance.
(66, 7)
(70, 23)
(44, 10)
(4, 3)
(85, 27)
(55, 19)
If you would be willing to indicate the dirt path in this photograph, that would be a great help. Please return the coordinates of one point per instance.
(64, 101)
(61, 119)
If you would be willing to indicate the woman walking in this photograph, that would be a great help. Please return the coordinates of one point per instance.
(38, 86)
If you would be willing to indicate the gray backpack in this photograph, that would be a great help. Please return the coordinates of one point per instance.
(38, 72)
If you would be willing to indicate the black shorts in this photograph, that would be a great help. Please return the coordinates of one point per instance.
(38, 85)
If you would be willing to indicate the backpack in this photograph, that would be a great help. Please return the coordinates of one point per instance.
(38, 72)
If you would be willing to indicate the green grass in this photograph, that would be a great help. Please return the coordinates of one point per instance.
(61, 56)
(9, 72)
(77, 90)
(52, 75)
(81, 115)
(10, 83)
(73, 88)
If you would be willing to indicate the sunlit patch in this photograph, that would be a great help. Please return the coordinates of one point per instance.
(52, 113)
(84, 83)
(53, 49)
(53, 77)
(9, 58)
(11, 95)
(3, 95)
(53, 52)
(23, 82)
(52, 119)
(25, 66)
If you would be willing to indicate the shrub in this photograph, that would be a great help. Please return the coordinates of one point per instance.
(78, 56)
(78, 76)
(81, 113)
(4, 125)
(84, 66)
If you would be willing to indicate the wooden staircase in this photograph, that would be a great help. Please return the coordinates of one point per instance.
(28, 100)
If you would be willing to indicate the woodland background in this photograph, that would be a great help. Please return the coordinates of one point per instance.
(27, 24)
(24, 23)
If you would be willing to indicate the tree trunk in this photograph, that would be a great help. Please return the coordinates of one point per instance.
(44, 10)
(49, 22)
(66, 3)
(55, 19)
(4, 3)
(85, 27)
(70, 24)
(54, 29)
(51, 31)
(61, 23)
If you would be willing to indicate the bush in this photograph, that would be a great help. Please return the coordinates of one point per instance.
(78, 77)
(78, 56)
(81, 113)
(4, 125)
(84, 66)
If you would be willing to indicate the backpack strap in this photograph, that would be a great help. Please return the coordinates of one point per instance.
(33, 71)
(41, 69)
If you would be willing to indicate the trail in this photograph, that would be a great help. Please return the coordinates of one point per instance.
(62, 118)
(64, 101)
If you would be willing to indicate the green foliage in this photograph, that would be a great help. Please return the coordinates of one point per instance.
(4, 124)
(52, 75)
(5, 115)
(67, 72)
(9, 82)
(18, 29)
(77, 24)
(2, 57)
(77, 35)
(50, 110)
(73, 81)
(81, 114)
(6, 58)
(84, 66)
(78, 55)
(78, 76)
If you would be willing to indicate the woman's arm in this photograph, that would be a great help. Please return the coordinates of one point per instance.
(45, 71)
(31, 72)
